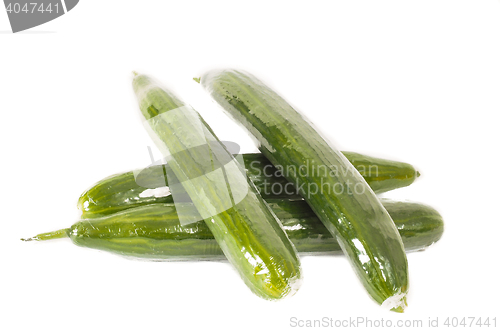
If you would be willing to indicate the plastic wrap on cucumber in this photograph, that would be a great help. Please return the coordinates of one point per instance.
(347, 206)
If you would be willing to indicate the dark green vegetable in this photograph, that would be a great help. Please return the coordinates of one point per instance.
(333, 188)
(247, 231)
(154, 231)
(123, 191)
(382, 175)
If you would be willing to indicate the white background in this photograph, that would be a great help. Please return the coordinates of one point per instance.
(414, 81)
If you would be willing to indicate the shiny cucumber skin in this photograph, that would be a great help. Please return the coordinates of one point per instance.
(154, 231)
(360, 223)
(121, 191)
(419, 225)
(381, 174)
(248, 233)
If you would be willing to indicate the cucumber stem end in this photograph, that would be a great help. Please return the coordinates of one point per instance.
(63, 233)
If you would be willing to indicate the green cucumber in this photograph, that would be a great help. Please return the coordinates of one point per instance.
(154, 231)
(336, 192)
(247, 231)
(122, 191)
(382, 175)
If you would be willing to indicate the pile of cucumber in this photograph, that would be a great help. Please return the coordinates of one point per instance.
(300, 195)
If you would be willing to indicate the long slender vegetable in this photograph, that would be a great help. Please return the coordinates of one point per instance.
(333, 188)
(247, 231)
(154, 231)
(129, 189)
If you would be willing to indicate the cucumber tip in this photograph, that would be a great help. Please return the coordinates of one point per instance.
(396, 303)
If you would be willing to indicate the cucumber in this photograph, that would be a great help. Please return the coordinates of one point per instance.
(341, 198)
(248, 232)
(122, 191)
(419, 225)
(154, 231)
(382, 175)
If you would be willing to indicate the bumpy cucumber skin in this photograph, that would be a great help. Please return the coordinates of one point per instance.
(382, 175)
(361, 225)
(154, 231)
(249, 234)
(116, 193)
(151, 232)
(419, 225)
(121, 191)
